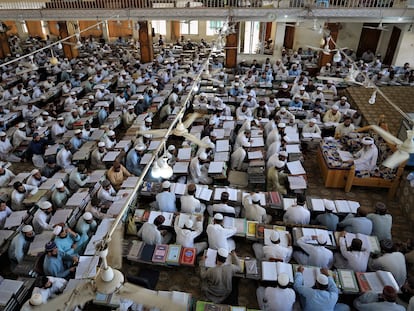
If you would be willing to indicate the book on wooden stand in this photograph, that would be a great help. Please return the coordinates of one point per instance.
(375, 281)
(173, 254)
(160, 253)
(188, 256)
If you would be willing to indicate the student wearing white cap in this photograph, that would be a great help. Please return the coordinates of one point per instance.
(70, 101)
(330, 87)
(77, 140)
(200, 101)
(217, 282)
(85, 227)
(366, 158)
(322, 296)
(97, 155)
(243, 112)
(35, 179)
(327, 219)
(133, 159)
(254, 211)
(313, 251)
(20, 192)
(317, 94)
(128, 116)
(220, 237)
(238, 159)
(189, 204)
(103, 113)
(42, 216)
(274, 251)
(344, 128)
(107, 193)
(353, 257)
(60, 195)
(280, 298)
(110, 140)
(332, 115)
(66, 241)
(19, 246)
(20, 135)
(43, 119)
(242, 138)
(343, 105)
(187, 233)
(297, 213)
(71, 118)
(199, 170)
(49, 287)
(311, 127)
(6, 149)
(166, 199)
(276, 178)
(33, 303)
(58, 128)
(64, 157)
(285, 115)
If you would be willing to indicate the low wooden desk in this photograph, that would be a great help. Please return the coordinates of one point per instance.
(333, 178)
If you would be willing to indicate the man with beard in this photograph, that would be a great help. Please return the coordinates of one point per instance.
(49, 287)
(66, 241)
(78, 178)
(50, 168)
(6, 176)
(58, 128)
(64, 157)
(19, 246)
(129, 116)
(5, 212)
(344, 128)
(42, 217)
(86, 225)
(6, 149)
(133, 160)
(36, 179)
(110, 140)
(21, 192)
(53, 263)
(20, 135)
(97, 156)
(60, 195)
(117, 174)
(36, 150)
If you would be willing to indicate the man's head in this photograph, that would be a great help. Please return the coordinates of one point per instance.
(347, 121)
(159, 220)
(117, 167)
(218, 218)
(387, 246)
(322, 282)
(224, 197)
(19, 187)
(356, 245)
(222, 255)
(389, 293)
(191, 189)
(46, 206)
(51, 249)
(380, 208)
(28, 233)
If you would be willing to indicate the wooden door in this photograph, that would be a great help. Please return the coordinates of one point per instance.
(289, 36)
(392, 46)
(369, 39)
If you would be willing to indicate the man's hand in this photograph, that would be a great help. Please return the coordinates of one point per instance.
(125, 195)
(300, 269)
(325, 271)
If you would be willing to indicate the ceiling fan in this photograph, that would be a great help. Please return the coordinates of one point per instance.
(109, 281)
(180, 130)
(379, 27)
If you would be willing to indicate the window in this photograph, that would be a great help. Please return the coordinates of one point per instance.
(213, 27)
(160, 27)
(251, 37)
(24, 27)
(189, 27)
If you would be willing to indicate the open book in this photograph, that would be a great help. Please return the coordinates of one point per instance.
(284, 241)
(375, 281)
(310, 274)
(313, 231)
(271, 270)
(369, 242)
(203, 193)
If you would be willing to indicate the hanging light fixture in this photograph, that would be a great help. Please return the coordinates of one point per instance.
(59, 46)
(33, 66)
(337, 57)
(78, 44)
(156, 171)
(373, 98)
(53, 60)
(166, 170)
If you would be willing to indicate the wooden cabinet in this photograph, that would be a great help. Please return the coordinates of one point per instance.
(333, 178)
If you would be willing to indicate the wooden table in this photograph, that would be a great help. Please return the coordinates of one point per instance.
(333, 178)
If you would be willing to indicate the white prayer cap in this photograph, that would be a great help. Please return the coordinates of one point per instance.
(27, 229)
(236, 76)
(279, 164)
(91, 97)
(367, 141)
(328, 64)
(281, 125)
(283, 279)
(35, 171)
(302, 88)
(236, 83)
(140, 147)
(202, 156)
(213, 134)
(211, 122)
(283, 109)
(130, 107)
(105, 105)
(221, 85)
(223, 252)
(45, 113)
(335, 107)
(255, 198)
(171, 148)
(24, 91)
(250, 94)
(275, 236)
(218, 216)
(329, 205)
(101, 144)
(147, 135)
(87, 216)
(330, 81)
(297, 96)
(45, 205)
(59, 184)
(203, 94)
(60, 119)
(2, 134)
(189, 223)
(111, 133)
(216, 99)
(149, 120)
(321, 239)
(77, 131)
(343, 98)
(21, 125)
(319, 88)
(211, 145)
(285, 86)
(72, 93)
(322, 279)
(283, 153)
(36, 299)
(166, 184)
(57, 230)
(312, 120)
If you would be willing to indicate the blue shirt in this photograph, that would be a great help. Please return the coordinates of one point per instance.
(327, 219)
(102, 115)
(166, 201)
(356, 224)
(53, 266)
(76, 142)
(64, 245)
(18, 248)
(316, 299)
(133, 162)
(295, 104)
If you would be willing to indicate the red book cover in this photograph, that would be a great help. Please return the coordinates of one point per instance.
(275, 198)
(188, 256)
(160, 253)
(362, 282)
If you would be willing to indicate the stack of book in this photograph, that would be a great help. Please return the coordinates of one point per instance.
(256, 172)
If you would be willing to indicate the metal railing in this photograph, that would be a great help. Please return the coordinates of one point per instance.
(138, 4)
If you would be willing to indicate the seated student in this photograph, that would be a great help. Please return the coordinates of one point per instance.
(20, 244)
(42, 217)
(166, 199)
(358, 223)
(355, 257)
(53, 264)
(85, 226)
(189, 204)
(276, 298)
(6, 176)
(36, 179)
(276, 178)
(299, 213)
(190, 231)
(117, 174)
(5, 212)
(344, 128)
(239, 157)
(313, 254)
(66, 241)
(49, 287)
(223, 207)
(60, 195)
(366, 158)
(108, 194)
(21, 192)
(78, 178)
(381, 222)
(371, 301)
(199, 171)
(327, 219)
(254, 211)
(151, 233)
(217, 282)
(275, 251)
(220, 237)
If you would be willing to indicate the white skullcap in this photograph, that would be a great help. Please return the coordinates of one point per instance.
(27, 229)
(2, 134)
(34, 171)
(281, 125)
(59, 184)
(202, 156)
(149, 120)
(313, 120)
(283, 153)
(105, 105)
(140, 147)
(36, 299)
(283, 109)
(203, 94)
(275, 236)
(45, 113)
(236, 83)
(322, 279)
(302, 88)
(213, 134)
(57, 230)
(72, 93)
(328, 64)
(91, 97)
(130, 107)
(221, 85)
(166, 184)
(223, 252)
(218, 216)
(77, 131)
(45, 205)
(216, 99)
(319, 88)
(60, 119)
(111, 133)
(87, 216)
(211, 145)
(189, 223)
(147, 135)
(285, 86)
(21, 125)
(250, 94)
(297, 96)
(330, 81)
(101, 144)
(171, 148)
(367, 141)
(255, 198)
(211, 122)
(24, 92)
(344, 98)
(329, 205)
(321, 239)
(283, 279)
(279, 164)
(335, 107)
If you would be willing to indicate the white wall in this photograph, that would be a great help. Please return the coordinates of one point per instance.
(404, 52)
(349, 34)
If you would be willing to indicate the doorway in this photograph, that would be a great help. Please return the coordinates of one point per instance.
(392, 46)
(369, 39)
